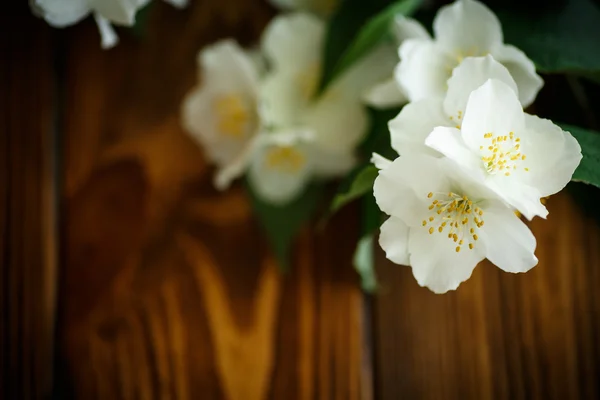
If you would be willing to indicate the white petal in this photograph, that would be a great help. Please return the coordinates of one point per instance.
(407, 28)
(423, 70)
(467, 27)
(468, 76)
(435, 262)
(414, 123)
(401, 189)
(294, 41)
(368, 71)
(522, 70)
(319, 7)
(61, 13)
(495, 108)
(386, 94)
(380, 161)
(120, 12)
(449, 142)
(339, 124)
(108, 35)
(509, 243)
(283, 100)
(521, 196)
(393, 239)
(238, 165)
(552, 155)
(331, 164)
(275, 183)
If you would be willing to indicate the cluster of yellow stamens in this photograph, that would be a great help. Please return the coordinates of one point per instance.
(232, 115)
(503, 154)
(285, 158)
(457, 213)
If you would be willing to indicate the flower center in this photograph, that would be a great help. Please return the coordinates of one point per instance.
(454, 215)
(232, 114)
(285, 158)
(502, 154)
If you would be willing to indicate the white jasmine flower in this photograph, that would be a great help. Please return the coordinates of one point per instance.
(520, 157)
(319, 7)
(221, 111)
(442, 223)
(416, 120)
(62, 13)
(336, 120)
(463, 29)
(388, 93)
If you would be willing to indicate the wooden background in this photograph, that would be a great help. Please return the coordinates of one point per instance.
(125, 275)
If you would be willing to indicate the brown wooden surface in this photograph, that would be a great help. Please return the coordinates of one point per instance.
(28, 235)
(167, 289)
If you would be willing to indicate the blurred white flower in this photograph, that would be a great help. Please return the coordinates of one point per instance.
(61, 13)
(522, 158)
(410, 128)
(442, 223)
(322, 8)
(463, 29)
(221, 111)
(336, 120)
(388, 93)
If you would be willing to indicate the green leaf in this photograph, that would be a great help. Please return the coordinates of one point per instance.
(378, 138)
(364, 263)
(353, 17)
(361, 183)
(141, 20)
(588, 170)
(282, 223)
(558, 39)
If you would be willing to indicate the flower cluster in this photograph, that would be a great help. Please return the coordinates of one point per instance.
(470, 159)
(62, 13)
(261, 112)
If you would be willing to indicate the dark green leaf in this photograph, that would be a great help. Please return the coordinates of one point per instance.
(558, 39)
(589, 168)
(364, 263)
(378, 138)
(352, 21)
(360, 185)
(282, 223)
(141, 20)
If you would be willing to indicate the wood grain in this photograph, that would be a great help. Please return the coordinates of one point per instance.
(500, 336)
(28, 232)
(168, 289)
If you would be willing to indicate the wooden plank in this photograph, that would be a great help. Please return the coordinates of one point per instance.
(27, 205)
(501, 336)
(169, 291)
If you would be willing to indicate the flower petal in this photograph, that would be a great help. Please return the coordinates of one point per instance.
(331, 164)
(435, 262)
(294, 41)
(495, 108)
(393, 239)
(468, 76)
(237, 165)
(408, 28)
(467, 27)
(120, 12)
(416, 120)
(108, 36)
(280, 169)
(402, 188)
(61, 13)
(552, 156)
(380, 161)
(282, 100)
(522, 69)
(449, 142)
(521, 196)
(339, 123)
(386, 94)
(423, 70)
(510, 245)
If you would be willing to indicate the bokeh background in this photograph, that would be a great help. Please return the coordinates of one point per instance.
(125, 275)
